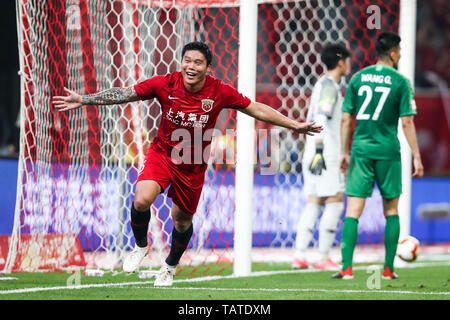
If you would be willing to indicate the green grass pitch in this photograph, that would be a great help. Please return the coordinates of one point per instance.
(421, 281)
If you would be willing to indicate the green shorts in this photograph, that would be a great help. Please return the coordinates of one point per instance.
(363, 173)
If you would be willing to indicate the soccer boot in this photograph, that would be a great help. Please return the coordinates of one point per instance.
(134, 259)
(388, 274)
(345, 275)
(327, 265)
(165, 276)
(300, 263)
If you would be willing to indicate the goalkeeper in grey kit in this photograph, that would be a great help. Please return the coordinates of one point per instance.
(323, 182)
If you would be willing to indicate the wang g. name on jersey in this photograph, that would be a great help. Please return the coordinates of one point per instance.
(378, 95)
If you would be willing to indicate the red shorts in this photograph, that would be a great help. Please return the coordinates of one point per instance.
(186, 181)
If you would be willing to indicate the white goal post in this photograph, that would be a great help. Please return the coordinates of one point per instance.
(407, 31)
(245, 139)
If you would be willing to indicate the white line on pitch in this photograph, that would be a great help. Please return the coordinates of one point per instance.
(139, 285)
(75, 287)
(211, 278)
(299, 290)
(270, 273)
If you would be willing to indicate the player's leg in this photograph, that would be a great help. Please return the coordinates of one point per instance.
(185, 193)
(153, 179)
(332, 187)
(146, 193)
(332, 212)
(359, 186)
(355, 207)
(181, 235)
(305, 230)
(391, 235)
(308, 218)
(389, 176)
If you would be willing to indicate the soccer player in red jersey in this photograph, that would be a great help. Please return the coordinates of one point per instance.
(190, 102)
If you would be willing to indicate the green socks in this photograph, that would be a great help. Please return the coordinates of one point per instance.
(391, 235)
(349, 239)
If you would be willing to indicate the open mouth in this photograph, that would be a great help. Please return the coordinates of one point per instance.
(190, 75)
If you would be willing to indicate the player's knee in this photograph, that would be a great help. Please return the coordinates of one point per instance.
(327, 225)
(391, 212)
(331, 216)
(337, 198)
(182, 226)
(181, 220)
(142, 203)
(390, 206)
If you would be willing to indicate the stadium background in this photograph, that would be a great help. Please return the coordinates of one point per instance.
(432, 99)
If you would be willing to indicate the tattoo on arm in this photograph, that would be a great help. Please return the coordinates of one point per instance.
(110, 96)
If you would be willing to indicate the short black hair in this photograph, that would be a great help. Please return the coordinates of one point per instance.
(199, 46)
(386, 42)
(332, 53)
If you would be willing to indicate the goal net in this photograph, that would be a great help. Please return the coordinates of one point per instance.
(77, 169)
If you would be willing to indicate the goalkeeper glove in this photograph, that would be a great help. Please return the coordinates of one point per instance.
(318, 162)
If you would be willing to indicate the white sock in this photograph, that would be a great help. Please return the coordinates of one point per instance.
(169, 266)
(328, 226)
(305, 228)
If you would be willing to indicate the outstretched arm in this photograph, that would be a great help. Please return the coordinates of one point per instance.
(267, 114)
(74, 100)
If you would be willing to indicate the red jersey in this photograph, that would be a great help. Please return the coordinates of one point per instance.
(187, 116)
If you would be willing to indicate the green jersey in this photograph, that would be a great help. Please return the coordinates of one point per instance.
(378, 95)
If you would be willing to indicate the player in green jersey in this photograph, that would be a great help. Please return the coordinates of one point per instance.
(377, 96)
